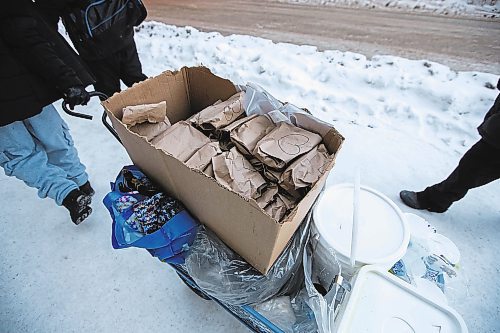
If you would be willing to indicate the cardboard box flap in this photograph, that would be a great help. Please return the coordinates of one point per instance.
(331, 137)
(206, 88)
(333, 141)
(168, 86)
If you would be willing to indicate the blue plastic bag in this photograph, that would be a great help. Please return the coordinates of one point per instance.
(144, 217)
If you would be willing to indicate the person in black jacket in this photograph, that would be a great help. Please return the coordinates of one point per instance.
(479, 166)
(37, 68)
(110, 59)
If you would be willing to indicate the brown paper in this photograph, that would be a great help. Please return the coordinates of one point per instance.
(246, 136)
(150, 130)
(283, 144)
(310, 123)
(289, 201)
(223, 134)
(235, 124)
(180, 140)
(225, 145)
(305, 171)
(271, 174)
(203, 157)
(267, 196)
(233, 170)
(209, 170)
(152, 113)
(276, 210)
(219, 115)
(258, 165)
(280, 206)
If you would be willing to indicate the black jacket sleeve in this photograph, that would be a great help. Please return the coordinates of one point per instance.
(28, 35)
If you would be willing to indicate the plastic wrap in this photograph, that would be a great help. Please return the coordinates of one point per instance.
(324, 291)
(279, 311)
(224, 275)
(431, 263)
(304, 316)
(322, 306)
(291, 315)
(259, 101)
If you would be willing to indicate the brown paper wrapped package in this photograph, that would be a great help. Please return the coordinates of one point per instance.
(272, 175)
(180, 140)
(152, 113)
(203, 157)
(248, 134)
(223, 134)
(283, 144)
(267, 196)
(280, 206)
(219, 115)
(305, 171)
(233, 170)
(151, 130)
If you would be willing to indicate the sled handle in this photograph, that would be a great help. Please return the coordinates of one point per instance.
(83, 115)
(110, 127)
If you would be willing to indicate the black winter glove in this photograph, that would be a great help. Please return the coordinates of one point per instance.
(76, 95)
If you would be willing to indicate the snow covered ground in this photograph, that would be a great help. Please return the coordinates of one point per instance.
(406, 124)
(481, 8)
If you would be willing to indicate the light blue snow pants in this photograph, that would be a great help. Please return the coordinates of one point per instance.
(40, 152)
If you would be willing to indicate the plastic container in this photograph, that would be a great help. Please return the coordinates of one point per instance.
(381, 302)
(383, 235)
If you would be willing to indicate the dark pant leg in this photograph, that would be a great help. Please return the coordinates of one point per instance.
(479, 166)
(130, 65)
(107, 74)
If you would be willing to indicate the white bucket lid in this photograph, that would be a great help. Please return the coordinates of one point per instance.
(381, 302)
(383, 235)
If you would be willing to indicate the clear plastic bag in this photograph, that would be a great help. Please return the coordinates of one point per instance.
(290, 315)
(224, 275)
(431, 263)
(324, 297)
(322, 306)
(259, 101)
(305, 320)
(279, 311)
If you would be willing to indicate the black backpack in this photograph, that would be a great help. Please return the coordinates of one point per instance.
(103, 27)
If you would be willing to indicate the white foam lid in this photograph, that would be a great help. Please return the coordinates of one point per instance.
(383, 303)
(383, 235)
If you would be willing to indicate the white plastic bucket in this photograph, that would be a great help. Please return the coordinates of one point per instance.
(383, 234)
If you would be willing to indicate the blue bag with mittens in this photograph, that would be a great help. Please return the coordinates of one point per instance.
(144, 217)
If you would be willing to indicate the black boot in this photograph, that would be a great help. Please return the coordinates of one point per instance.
(410, 199)
(417, 200)
(78, 204)
(87, 189)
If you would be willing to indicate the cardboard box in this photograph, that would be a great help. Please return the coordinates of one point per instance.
(238, 221)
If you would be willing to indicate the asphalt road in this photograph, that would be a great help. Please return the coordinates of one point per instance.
(470, 44)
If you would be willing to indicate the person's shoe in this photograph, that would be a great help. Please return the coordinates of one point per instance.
(410, 199)
(78, 205)
(87, 189)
